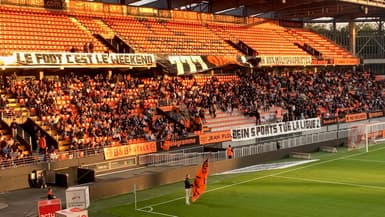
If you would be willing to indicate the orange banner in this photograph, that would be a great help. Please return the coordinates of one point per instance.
(167, 108)
(214, 137)
(329, 121)
(181, 142)
(200, 181)
(375, 114)
(356, 117)
(129, 150)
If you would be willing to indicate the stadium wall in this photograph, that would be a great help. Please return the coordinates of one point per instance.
(17, 178)
(168, 175)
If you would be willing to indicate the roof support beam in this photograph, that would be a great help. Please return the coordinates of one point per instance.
(180, 3)
(373, 3)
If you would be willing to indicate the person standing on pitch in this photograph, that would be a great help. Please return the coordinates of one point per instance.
(187, 187)
(229, 152)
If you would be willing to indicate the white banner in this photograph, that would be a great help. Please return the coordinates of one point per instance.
(195, 63)
(97, 59)
(275, 129)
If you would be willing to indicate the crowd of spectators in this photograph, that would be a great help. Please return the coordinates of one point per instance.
(95, 111)
(307, 94)
(298, 94)
(12, 153)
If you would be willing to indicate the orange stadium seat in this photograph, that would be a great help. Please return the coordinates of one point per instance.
(24, 30)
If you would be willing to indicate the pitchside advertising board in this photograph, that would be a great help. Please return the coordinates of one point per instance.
(78, 197)
(71, 212)
(275, 129)
(48, 208)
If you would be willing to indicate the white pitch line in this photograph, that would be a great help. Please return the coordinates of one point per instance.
(164, 202)
(333, 182)
(156, 213)
(266, 176)
(365, 160)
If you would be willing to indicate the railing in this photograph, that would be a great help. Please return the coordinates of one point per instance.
(13, 163)
(185, 159)
(24, 135)
(9, 116)
(112, 165)
(195, 155)
(189, 150)
(179, 159)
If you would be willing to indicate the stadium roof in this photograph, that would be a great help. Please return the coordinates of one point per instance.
(282, 9)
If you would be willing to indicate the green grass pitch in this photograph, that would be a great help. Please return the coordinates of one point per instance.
(345, 184)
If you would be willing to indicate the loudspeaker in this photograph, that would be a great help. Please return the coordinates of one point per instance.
(85, 176)
(61, 179)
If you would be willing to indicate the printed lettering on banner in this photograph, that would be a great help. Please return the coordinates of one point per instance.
(275, 129)
(47, 208)
(129, 150)
(65, 59)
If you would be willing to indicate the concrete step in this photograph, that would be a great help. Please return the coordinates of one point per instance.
(231, 127)
(226, 120)
(232, 124)
(63, 148)
(64, 142)
(230, 119)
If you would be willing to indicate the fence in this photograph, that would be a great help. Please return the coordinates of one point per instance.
(185, 159)
(193, 155)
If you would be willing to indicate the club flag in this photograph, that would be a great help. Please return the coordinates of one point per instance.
(199, 185)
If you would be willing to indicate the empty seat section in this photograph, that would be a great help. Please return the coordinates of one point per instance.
(169, 37)
(327, 48)
(266, 40)
(40, 30)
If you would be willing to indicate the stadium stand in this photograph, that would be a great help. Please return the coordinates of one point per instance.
(169, 37)
(266, 38)
(86, 112)
(85, 109)
(25, 29)
(327, 49)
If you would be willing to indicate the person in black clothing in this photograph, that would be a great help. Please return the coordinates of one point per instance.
(91, 47)
(187, 187)
(257, 117)
(50, 194)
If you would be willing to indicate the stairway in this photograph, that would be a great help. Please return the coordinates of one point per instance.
(227, 121)
(110, 33)
(15, 111)
(80, 25)
(62, 143)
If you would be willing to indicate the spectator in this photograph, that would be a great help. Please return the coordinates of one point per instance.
(86, 48)
(91, 47)
(42, 180)
(50, 194)
(229, 152)
(43, 144)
